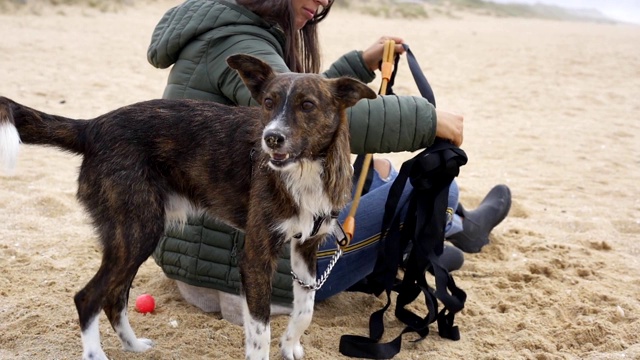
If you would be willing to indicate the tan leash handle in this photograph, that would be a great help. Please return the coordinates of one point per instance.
(386, 68)
(349, 225)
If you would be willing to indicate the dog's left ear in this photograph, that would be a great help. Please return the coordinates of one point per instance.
(254, 72)
(350, 91)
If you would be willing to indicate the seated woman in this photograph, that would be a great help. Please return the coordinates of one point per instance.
(195, 38)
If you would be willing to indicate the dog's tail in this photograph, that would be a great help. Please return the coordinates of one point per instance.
(19, 123)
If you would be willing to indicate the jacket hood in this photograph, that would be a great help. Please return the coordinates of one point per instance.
(183, 23)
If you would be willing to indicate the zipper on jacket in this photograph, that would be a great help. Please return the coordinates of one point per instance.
(234, 250)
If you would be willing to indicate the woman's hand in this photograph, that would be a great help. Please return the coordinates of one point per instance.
(449, 126)
(373, 55)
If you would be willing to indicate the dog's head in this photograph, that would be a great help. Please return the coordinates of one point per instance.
(302, 113)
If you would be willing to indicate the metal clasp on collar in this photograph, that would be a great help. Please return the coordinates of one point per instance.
(342, 242)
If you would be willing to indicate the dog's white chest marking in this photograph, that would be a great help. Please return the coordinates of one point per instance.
(305, 184)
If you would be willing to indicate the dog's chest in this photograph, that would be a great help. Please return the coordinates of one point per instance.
(306, 187)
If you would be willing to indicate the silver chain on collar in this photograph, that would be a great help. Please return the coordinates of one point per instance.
(318, 284)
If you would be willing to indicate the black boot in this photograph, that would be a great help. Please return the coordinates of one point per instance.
(452, 258)
(478, 223)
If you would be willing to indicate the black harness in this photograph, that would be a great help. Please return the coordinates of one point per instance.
(318, 220)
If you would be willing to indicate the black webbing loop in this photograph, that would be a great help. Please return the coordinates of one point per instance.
(431, 173)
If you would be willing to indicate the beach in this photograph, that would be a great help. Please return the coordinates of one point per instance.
(552, 109)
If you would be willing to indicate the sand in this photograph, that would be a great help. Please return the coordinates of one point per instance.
(551, 109)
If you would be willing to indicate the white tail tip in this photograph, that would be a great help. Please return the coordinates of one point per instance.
(9, 146)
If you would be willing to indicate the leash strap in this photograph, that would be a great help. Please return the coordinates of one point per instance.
(418, 76)
(421, 81)
(431, 173)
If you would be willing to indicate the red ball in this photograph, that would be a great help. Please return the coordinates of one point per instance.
(145, 303)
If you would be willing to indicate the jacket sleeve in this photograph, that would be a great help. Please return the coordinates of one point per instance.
(351, 64)
(391, 123)
(388, 123)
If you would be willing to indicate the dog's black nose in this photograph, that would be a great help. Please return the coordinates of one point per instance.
(274, 139)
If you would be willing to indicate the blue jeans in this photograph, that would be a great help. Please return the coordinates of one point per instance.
(358, 262)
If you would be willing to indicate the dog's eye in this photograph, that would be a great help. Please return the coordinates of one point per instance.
(268, 104)
(308, 106)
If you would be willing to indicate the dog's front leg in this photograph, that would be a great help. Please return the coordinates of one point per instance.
(256, 268)
(303, 264)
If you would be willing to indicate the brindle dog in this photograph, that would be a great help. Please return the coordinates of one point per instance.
(271, 171)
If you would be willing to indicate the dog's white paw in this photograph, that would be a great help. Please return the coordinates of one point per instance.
(291, 350)
(138, 345)
(97, 354)
(298, 351)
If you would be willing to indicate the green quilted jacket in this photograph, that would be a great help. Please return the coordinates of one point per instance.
(195, 38)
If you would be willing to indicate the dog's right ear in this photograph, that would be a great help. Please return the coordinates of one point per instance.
(254, 72)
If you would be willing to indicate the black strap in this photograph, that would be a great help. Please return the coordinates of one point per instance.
(430, 173)
(421, 81)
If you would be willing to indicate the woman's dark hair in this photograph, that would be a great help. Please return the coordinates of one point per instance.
(302, 48)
